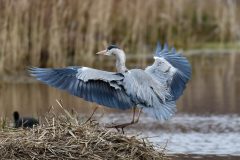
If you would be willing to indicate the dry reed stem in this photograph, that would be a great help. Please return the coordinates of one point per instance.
(68, 32)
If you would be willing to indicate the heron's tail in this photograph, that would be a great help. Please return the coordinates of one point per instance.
(162, 112)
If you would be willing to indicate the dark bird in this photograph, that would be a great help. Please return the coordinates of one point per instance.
(25, 122)
(153, 90)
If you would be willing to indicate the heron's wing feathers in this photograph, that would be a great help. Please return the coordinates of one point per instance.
(162, 112)
(148, 93)
(142, 87)
(172, 68)
(90, 84)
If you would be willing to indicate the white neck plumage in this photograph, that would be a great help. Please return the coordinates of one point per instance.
(120, 61)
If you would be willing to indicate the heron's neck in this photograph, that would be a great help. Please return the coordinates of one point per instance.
(120, 61)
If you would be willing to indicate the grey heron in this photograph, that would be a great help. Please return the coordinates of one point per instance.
(25, 122)
(154, 89)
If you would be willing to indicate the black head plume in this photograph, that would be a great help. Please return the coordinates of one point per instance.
(112, 46)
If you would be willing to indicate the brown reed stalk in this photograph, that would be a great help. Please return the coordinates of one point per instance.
(68, 32)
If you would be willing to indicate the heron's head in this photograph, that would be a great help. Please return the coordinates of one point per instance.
(110, 50)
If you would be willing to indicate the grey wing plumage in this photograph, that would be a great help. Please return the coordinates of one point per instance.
(90, 84)
(171, 68)
(149, 94)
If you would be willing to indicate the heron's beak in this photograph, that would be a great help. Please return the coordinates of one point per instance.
(104, 52)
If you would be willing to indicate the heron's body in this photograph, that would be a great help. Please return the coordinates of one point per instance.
(154, 89)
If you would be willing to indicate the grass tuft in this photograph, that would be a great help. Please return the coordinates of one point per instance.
(65, 137)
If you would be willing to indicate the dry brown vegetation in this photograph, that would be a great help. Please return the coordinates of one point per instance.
(68, 32)
(63, 136)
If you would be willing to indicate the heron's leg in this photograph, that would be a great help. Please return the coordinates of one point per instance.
(139, 113)
(133, 118)
(94, 110)
(122, 126)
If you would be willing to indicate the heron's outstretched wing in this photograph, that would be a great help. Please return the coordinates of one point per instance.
(171, 68)
(90, 84)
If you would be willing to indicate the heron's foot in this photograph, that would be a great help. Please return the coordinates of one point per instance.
(124, 125)
(121, 126)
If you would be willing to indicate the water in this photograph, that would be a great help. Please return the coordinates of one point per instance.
(213, 89)
(207, 125)
(216, 135)
(191, 136)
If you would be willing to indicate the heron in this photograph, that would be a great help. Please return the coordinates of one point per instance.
(153, 90)
(25, 122)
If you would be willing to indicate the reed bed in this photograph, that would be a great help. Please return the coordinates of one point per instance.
(64, 136)
(67, 32)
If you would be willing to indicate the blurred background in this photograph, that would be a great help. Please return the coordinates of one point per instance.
(60, 33)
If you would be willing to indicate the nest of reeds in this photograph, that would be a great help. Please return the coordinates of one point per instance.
(64, 137)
